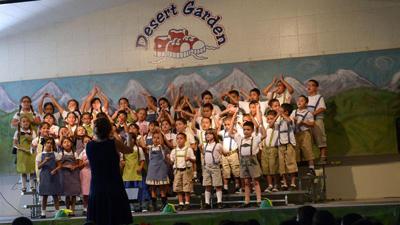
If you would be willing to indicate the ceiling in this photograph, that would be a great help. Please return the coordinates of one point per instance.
(19, 17)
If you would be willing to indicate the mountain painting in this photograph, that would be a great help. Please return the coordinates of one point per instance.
(362, 91)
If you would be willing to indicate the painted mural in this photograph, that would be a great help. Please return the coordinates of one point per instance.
(362, 91)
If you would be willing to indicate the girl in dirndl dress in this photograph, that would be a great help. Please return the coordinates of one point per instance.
(157, 175)
(50, 183)
(70, 177)
(85, 174)
(134, 174)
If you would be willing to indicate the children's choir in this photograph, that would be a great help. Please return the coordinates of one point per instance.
(242, 139)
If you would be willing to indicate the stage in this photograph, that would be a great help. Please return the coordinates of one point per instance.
(386, 210)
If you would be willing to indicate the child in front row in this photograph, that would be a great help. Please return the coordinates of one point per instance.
(25, 157)
(212, 151)
(133, 173)
(85, 174)
(183, 159)
(230, 157)
(70, 177)
(49, 177)
(303, 121)
(286, 146)
(248, 146)
(157, 174)
(269, 155)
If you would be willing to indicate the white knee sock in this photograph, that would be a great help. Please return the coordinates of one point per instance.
(219, 196)
(32, 180)
(207, 196)
(23, 180)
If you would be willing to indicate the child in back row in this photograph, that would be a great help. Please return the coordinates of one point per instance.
(303, 120)
(316, 105)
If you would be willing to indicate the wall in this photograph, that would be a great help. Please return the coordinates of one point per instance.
(104, 41)
(364, 181)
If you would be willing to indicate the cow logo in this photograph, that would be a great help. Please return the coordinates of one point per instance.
(179, 44)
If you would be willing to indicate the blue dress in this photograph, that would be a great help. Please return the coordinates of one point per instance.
(49, 184)
(108, 201)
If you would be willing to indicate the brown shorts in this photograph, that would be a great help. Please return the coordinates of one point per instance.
(249, 167)
(287, 159)
(212, 175)
(270, 161)
(304, 146)
(183, 180)
(318, 133)
(230, 165)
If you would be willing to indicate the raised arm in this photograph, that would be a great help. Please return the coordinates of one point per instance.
(287, 85)
(231, 130)
(268, 88)
(149, 101)
(86, 103)
(40, 105)
(55, 103)
(103, 97)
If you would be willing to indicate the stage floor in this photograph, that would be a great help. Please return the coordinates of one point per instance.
(385, 210)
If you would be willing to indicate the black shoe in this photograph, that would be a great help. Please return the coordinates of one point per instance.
(311, 172)
(225, 191)
(186, 207)
(23, 190)
(245, 205)
(42, 216)
(206, 206)
(220, 205)
(180, 207)
(84, 213)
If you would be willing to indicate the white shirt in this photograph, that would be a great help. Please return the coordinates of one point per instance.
(285, 132)
(212, 153)
(284, 97)
(71, 153)
(245, 146)
(17, 116)
(245, 106)
(271, 140)
(213, 119)
(314, 104)
(178, 157)
(201, 135)
(39, 156)
(301, 115)
(171, 137)
(228, 143)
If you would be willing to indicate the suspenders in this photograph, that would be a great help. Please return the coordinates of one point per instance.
(230, 141)
(284, 96)
(314, 107)
(212, 152)
(272, 138)
(251, 147)
(297, 128)
(176, 157)
(289, 128)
